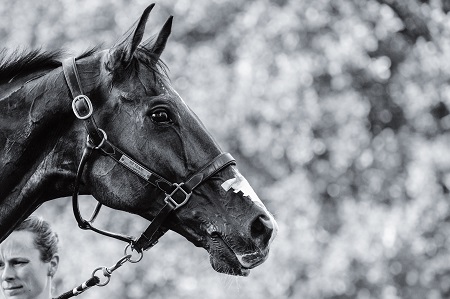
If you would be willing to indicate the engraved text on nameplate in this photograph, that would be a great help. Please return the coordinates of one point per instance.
(144, 173)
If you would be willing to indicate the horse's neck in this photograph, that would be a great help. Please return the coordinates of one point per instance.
(36, 162)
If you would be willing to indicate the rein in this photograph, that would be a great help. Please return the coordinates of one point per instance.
(175, 194)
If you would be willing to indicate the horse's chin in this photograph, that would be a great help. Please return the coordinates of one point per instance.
(224, 260)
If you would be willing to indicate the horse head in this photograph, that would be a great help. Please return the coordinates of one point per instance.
(138, 110)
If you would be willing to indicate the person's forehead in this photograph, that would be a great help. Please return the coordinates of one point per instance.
(18, 244)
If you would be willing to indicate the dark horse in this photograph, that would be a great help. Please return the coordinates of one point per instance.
(137, 109)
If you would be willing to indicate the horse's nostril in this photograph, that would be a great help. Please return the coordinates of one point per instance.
(262, 228)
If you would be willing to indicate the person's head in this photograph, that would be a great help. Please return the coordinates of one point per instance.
(28, 260)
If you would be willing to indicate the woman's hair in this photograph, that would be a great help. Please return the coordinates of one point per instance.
(45, 239)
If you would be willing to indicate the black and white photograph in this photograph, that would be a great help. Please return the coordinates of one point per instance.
(262, 149)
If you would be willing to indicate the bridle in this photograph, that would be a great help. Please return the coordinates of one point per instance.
(175, 194)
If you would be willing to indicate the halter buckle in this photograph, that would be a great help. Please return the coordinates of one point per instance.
(169, 200)
(87, 102)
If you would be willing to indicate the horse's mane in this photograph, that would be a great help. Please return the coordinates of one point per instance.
(23, 62)
(19, 63)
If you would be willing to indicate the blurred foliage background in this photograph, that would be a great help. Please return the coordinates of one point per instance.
(338, 114)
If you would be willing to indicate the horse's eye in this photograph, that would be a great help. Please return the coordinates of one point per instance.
(160, 116)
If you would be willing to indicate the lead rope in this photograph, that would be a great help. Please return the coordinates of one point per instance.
(94, 280)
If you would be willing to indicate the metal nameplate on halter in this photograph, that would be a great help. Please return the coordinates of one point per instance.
(87, 101)
(138, 169)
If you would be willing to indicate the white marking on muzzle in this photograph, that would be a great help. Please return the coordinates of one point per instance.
(239, 183)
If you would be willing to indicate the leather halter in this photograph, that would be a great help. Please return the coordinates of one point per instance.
(176, 194)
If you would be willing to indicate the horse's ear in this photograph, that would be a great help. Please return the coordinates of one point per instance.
(121, 54)
(156, 46)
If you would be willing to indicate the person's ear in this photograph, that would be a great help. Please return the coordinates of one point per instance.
(53, 265)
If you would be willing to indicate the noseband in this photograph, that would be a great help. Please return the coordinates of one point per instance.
(176, 194)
